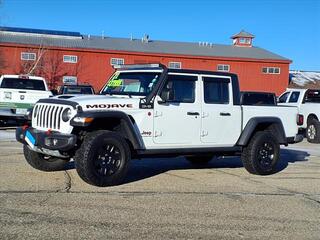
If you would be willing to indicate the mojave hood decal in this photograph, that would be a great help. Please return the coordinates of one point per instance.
(100, 102)
(113, 105)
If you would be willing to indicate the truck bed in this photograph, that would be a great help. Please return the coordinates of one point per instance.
(286, 114)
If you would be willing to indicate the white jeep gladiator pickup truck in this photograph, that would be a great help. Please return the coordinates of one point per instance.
(19, 93)
(308, 103)
(149, 110)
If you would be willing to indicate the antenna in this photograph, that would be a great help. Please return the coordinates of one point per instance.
(102, 35)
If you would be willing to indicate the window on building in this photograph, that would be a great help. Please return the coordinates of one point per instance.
(70, 59)
(242, 40)
(116, 61)
(69, 80)
(223, 67)
(216, 90)
(174, 65)
(182, 88)
(28, 56)
(271, 70)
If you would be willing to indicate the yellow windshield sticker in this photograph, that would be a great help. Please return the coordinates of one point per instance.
(115, 83)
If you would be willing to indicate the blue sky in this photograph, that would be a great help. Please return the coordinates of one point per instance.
(290, 28)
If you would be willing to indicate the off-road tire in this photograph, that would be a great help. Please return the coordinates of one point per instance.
(199, 160)
(99, 165)
(313, 131)
(42, 162)
(262, 154)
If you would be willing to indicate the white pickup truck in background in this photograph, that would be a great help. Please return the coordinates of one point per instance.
(18, 93)
(308, 103)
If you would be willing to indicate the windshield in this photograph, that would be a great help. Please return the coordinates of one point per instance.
(132, 83)
(77, 90)
(19, 83)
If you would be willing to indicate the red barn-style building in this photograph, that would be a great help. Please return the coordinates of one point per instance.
(61, 56)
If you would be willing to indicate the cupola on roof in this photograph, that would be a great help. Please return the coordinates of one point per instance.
(243, 39)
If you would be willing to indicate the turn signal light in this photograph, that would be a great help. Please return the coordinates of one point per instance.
(88, 120)
(300, 119)
(83, 119)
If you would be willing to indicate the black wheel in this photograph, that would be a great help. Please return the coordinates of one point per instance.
(262, 154)
(313, 131)
(103, 159)
(199, 160)
(42, 162)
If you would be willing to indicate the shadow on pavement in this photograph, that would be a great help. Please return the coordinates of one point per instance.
(149, 167)
(291, 156)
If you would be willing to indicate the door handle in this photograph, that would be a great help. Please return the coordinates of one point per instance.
(225, 114)
(193, 113)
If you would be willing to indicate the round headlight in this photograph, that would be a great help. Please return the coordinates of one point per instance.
(66, 114)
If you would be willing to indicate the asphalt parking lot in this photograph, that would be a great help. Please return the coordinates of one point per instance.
(163, 199)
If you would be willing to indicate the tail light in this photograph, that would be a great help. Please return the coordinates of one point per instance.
(300, 119)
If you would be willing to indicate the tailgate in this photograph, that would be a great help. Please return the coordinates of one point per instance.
(19, 98)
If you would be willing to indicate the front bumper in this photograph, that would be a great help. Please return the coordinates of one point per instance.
(296, 139)
(46, 140)
(11, 113)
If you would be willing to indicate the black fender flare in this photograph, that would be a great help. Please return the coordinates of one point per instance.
(254, 123)
(130, 131)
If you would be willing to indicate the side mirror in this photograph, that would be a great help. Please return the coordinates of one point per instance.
(166, 95)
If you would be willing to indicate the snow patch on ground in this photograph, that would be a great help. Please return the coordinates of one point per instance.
(303, 78)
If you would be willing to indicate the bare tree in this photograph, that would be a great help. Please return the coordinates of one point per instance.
(32, 67)
(53, 69)
(38, 63)
(78, 67)
(49, 64)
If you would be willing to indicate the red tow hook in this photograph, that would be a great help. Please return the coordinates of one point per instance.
(25, 127)
(48, 132)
